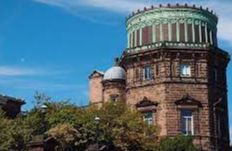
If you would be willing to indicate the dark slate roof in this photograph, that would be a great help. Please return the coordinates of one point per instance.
(96, 72)
(4, 99)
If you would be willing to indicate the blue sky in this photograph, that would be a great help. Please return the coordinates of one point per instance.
(52, 46)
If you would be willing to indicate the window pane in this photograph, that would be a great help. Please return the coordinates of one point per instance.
(138, 37)
(157, 31)
(190, 33)
(203, 33)
(197, 38)
(189, 125)
(165, 32)
(185, 70)
(147, 71)
(186, 122)
(174, 32)
(182, 33)
(183, 126)
(186, 112)
(149, 35)
(145, 35)
(148, 118)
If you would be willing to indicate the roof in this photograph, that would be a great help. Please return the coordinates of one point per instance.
(115, 73)
(4, 99)
(174, 6)
(100, 73)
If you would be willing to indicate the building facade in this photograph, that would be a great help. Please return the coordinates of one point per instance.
(10, 106)
(173, 72)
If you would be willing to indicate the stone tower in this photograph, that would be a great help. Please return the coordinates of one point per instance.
(175, 74)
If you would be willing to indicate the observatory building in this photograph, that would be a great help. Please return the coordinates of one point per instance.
(173, 72)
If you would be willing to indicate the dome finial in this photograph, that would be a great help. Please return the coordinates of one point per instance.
(116, 61)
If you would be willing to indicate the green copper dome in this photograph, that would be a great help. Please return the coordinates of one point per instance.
(173, 26)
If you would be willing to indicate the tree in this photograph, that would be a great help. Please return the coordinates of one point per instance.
(66, 135)
(16, 133)
(178, 143)
(120, 128)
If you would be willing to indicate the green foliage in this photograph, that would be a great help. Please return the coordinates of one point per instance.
(67, 135)
(15, 134)
(120, 128)
(124, 128)
(63, 113)
(179, 143)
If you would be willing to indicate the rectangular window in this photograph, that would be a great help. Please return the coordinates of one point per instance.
(185, 70)
(114, 97)
(148, 118)
(149, 35)
(190, 33)
(147, 73)
(203, 33)
(145, 36)
(182, 33)
(157, 31)
(165, 32)
(174, 32)
(208, 34)
(187, 127)
(138, 37)
(197, 38)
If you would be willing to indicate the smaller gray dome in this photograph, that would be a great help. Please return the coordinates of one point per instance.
(115, 73)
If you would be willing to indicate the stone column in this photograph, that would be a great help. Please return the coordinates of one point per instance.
(193, 30)
(211, 37)
(131, 39)
(177, 31)
(169, 32)
(186, 31)
(128, 40)
(206, 33)
(140, 36)
(153, 34)
(135, 40)
(200, 32)
(161, 32)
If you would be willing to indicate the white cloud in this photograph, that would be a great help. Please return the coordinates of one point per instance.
(18, 71)
(29, 71)
(223, 9)
(119, 6)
